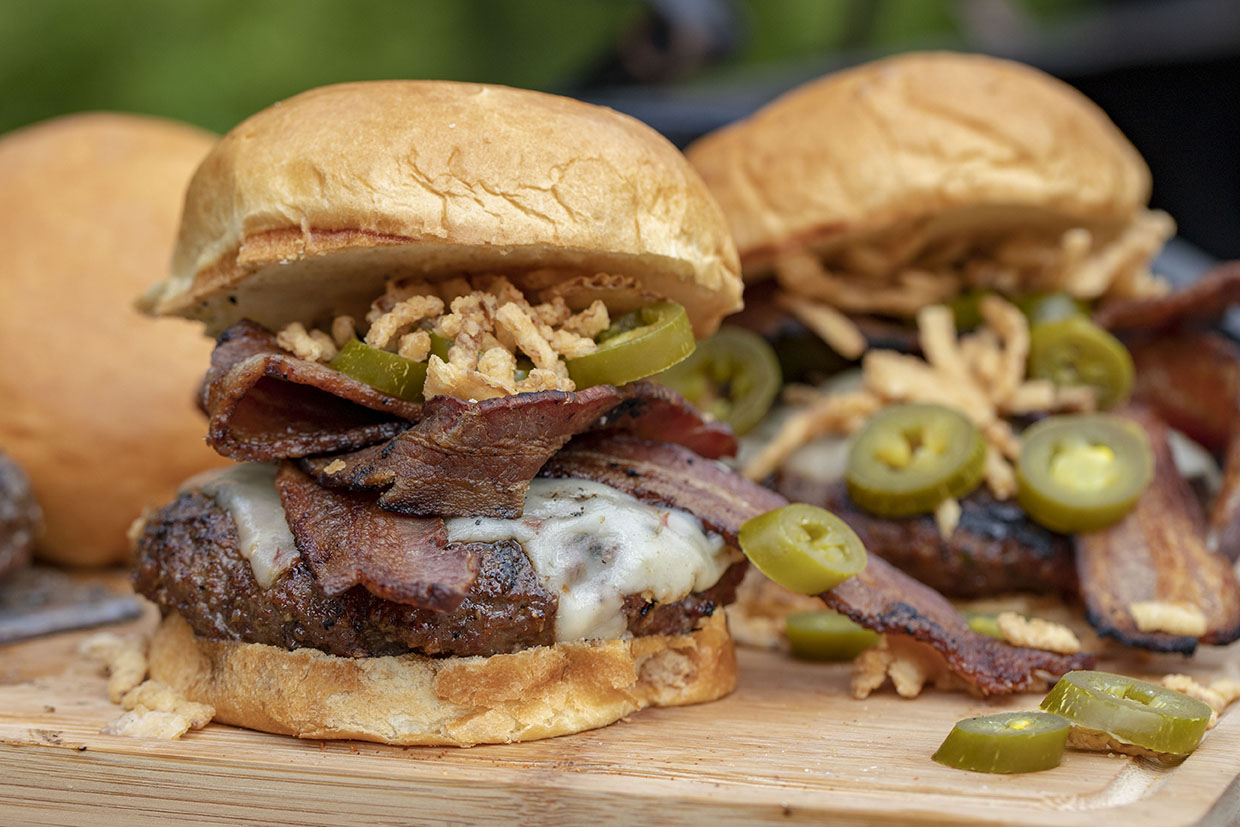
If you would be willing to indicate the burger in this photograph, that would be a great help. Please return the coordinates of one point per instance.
(955, 229)
(86, 410)
(456, 513)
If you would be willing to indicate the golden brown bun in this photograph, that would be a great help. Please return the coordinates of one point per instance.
(337, 188)
(456, 701)
(97, 399)
(911, 137)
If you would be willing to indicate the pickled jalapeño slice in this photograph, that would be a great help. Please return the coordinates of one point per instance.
(1082, 472)
(1075, 351)
(803, 548)
(733, 376)
(388, 372)
(909, 458)
(1130, 711)
(826, 636)
(1008, 742)
(636, 345)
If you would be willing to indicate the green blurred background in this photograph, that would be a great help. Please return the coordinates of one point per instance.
(1167, 71)
(212, 62)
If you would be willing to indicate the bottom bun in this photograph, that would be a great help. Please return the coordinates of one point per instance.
(461, 701)
(757, 617)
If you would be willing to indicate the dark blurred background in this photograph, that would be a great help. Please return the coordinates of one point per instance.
(1167, 71)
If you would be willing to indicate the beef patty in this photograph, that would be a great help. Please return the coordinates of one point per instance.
(189, 561)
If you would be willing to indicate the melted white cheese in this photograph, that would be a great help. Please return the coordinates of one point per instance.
(248, 493)
(592, 545)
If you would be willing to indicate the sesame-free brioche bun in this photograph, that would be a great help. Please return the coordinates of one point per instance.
(97, 398)
(304, 209)
(455, 701)
(958, 140)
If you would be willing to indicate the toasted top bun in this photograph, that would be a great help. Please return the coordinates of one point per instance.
(304, 209)
(916, 137)
(97, 399)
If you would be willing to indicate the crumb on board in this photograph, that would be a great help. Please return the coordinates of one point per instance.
(124, 658)
(1036, 633)
(910, 665)
(153, 709)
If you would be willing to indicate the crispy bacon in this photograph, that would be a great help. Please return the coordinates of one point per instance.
(1223, 529)
(1192, 381)
(1157, 553)
(265, 404)
(347, 541)
(476, 459)
(994, 549)
(1201, 303)
(881, 598)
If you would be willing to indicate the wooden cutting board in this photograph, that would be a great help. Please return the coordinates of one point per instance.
(788, 746)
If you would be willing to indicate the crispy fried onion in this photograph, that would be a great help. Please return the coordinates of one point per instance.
(489, 321)
(981, 374)
(898, 273)
(1218, 694)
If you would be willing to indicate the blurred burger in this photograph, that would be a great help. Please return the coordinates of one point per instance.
(946, 224)
(925, 178)
(100, 413)
(20, 518)
(458, 518)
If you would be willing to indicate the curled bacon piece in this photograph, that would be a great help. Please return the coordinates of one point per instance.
(265, 404)
(1192, 381)
(1157, 553)
(881, 598)
(1201, 303)
(347, 541)
(476, 459)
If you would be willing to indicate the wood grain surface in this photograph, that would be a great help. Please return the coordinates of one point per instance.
(789, 746)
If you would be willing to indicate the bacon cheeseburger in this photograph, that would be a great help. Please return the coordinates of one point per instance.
(458, 518)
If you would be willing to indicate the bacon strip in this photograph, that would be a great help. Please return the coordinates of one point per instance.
(476, 459)
(1157, 553)
(1192, 381)
(1201, 303)
(1223, 530)
(881, 598)
(347, 541)
(265, 404)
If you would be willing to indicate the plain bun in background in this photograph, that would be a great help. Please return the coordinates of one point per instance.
(457, 701)
(97, 399)
(303, 210)
(911, 137)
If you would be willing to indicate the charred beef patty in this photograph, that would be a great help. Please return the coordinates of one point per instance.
(189, 561)
(995, 549)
